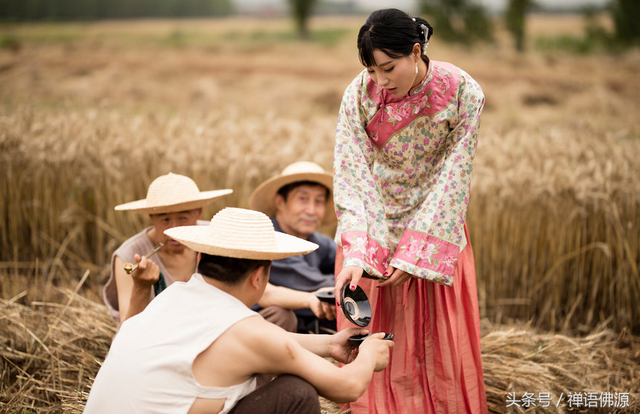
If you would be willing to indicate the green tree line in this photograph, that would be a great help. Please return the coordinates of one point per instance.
(35, 10)
(465, 21)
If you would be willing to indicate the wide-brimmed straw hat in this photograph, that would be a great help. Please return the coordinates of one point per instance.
(172, 193)
(242, 234)
(263, 197)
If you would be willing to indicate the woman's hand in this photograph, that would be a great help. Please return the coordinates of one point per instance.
(397, 277)
(348, 274)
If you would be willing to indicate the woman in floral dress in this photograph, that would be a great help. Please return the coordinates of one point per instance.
(405, 144)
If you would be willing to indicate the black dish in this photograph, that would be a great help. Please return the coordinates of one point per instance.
(357, 309)
(355, 306)
(360, 338)
(368, 276)
(327, 296)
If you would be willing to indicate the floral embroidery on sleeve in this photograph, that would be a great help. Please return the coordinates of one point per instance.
(360, 250)
(425, 256)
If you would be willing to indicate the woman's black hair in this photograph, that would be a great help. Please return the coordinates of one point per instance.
(394, 32)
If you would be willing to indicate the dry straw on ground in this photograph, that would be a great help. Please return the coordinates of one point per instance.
(52, 351)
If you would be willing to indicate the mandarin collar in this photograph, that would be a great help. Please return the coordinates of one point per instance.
(424, 82)
(387, 98)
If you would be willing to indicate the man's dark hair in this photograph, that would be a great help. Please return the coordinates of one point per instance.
(285, 190)
(229, 270)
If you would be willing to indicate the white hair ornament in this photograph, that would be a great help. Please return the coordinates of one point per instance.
(424, 30)
(425, 33)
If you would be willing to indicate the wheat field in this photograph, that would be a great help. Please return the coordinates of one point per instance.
(91, 113)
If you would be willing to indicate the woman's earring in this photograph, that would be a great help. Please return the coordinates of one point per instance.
(416, 68)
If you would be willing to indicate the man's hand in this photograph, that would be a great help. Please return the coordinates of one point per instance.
(322, 310)
(342, 349)
(134, 290)
(147, 272)
(378, 348)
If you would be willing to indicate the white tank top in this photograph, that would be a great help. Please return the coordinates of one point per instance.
(148, 368)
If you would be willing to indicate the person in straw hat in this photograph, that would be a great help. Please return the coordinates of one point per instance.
(299, 201)
(198, 347)
(172, 200)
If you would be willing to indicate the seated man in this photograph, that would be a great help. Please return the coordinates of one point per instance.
(197, 347)
(172, 200)
(299, 201)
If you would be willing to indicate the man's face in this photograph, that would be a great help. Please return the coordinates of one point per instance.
(162, 222)
(303, 211)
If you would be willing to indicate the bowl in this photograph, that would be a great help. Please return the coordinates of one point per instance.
(360, 338)
(357, 309)
(355, 306)
(326, 296)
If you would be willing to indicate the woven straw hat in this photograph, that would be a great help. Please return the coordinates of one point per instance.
(243, 234)
(172, 193)
(263, 197)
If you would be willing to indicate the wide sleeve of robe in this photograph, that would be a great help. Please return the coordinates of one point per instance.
(402, 173)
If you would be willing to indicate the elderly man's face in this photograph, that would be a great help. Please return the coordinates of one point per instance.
(303, 211)
(162, 222)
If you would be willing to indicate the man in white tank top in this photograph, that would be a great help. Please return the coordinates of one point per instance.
(198, 347)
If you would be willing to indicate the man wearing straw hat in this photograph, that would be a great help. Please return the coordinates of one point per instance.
(299, 202)
(197, 347)
(172, 200)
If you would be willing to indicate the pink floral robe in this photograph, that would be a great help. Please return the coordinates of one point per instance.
(402, 176)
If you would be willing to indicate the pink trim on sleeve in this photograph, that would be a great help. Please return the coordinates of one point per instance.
(428, 252)
(358, 245)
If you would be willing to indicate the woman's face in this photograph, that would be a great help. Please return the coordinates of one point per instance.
(397, 76)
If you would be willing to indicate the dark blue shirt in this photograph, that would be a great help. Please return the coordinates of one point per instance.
(307, 272)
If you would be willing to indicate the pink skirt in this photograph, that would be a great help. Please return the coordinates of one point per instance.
(436, 363)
